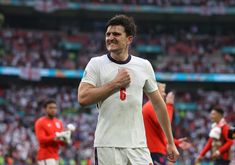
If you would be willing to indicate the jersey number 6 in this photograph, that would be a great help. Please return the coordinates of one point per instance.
(123, 94)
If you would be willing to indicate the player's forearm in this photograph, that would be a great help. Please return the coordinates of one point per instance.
(225, 147)
(93, 95)
(206, 148)
(164, 121)
(45, 139)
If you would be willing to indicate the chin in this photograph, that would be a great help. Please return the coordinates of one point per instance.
(112, 50)
(51, 116)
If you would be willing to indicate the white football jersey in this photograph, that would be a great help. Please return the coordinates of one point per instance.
(120, 121)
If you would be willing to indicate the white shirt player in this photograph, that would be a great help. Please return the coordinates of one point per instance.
(120, 121)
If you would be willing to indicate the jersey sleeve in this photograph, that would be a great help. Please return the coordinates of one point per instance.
(177, 142)
(228, 142)
(91, 73)
(150, 83)
(41, 135)
(207, 147)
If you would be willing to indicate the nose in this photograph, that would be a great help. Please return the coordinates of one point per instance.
(110, 37)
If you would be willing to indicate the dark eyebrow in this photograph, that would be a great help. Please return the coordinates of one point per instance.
(114, 33)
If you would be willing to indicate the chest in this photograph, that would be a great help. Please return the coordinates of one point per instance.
(109, 72)
(52, 126)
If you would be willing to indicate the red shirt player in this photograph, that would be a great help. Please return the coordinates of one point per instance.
(156, 140)
(218, 143)
(47, 129)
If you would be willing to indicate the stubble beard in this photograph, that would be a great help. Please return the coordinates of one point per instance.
(51, 116)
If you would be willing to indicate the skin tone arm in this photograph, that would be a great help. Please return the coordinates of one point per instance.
(89, 94)
(163, 118)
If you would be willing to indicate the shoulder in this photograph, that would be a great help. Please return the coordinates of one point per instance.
(139, 59)
(225, 127)
(99, 58)
(58, 120)
(141, 62)
(40, 120)
(98, 61)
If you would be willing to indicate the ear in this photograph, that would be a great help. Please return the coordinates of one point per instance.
(130, 39)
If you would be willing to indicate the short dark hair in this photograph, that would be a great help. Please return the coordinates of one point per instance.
(127, 22)
(218, 109)
(48, 101)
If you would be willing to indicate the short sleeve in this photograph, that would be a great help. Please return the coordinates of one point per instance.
(91, 73)
(150, 83)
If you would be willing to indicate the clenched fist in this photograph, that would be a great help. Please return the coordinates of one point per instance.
(122, 79)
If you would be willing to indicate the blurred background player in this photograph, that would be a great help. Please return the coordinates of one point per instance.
(155, 136)
(218, 143)
(50, 135)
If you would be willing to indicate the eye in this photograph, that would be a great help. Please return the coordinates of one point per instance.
(108, 34)
(116, 34)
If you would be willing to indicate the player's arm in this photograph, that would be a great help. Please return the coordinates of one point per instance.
(163, 118)
(90, 94)
(57, 139)
(207, 147)
(204, 151)
(228, 142)
(183, 143)
(41, 135)
(162, 114)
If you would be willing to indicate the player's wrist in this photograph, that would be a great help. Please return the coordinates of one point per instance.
(113, 85)
(57, 136)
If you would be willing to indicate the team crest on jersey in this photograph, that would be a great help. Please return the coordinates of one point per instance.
(57, 124)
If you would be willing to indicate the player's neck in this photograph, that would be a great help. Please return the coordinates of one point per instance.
(119, 56)
(50, 117)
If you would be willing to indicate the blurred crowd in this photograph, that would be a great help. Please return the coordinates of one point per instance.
(164, 2)
(189, 50)
(22, 48)
(182, 50)
(21, 106)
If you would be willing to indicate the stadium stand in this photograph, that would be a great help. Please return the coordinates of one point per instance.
(173, 42)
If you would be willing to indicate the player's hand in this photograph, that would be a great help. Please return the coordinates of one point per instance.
(184, 144)
(170, 98)
(198, 159)
(122, 79)
(215, 154)
(64, 136)
(172, 153)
